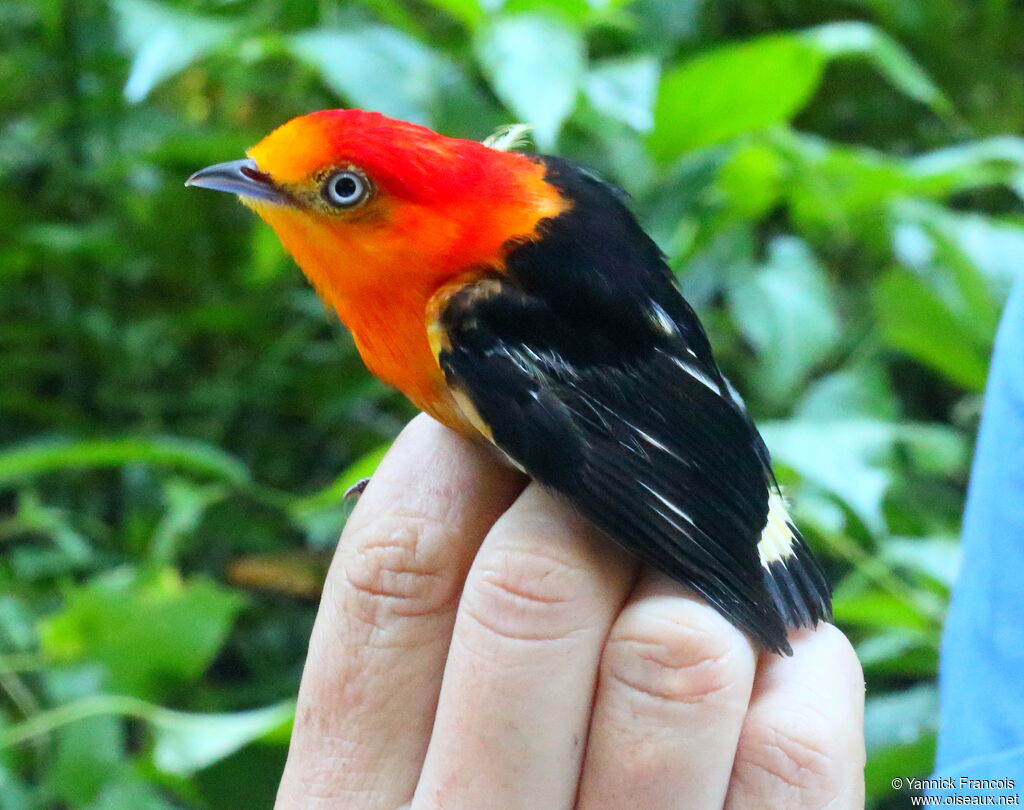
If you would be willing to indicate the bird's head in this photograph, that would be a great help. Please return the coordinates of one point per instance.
(368, 205)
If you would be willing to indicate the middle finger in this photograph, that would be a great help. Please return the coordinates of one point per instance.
(675, 683)
(519, 682)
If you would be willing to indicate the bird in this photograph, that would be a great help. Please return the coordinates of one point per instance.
(516, 299)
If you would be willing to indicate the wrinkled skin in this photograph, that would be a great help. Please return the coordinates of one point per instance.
(480, 646)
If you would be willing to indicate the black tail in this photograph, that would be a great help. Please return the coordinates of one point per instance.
(797, 587)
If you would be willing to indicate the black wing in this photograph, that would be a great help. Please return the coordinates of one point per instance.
(593, 374)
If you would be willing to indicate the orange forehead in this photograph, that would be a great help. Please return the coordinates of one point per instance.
(401, 158)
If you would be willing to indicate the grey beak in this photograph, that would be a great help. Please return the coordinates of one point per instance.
(241, 177)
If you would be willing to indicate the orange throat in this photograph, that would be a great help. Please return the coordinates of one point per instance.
(380, 275)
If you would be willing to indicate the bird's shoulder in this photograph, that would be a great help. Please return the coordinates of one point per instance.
(594, 252)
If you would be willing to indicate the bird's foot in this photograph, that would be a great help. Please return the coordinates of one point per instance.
(354, 491)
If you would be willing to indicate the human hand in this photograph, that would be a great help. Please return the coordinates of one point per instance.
(481, 646)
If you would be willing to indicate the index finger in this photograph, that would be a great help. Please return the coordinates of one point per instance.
(378, 647)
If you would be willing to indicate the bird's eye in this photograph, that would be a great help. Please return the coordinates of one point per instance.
(345, 189)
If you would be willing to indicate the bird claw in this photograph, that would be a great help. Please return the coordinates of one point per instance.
(354, 491)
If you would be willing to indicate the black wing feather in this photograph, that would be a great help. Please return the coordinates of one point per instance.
(593, 373)
(654, 457)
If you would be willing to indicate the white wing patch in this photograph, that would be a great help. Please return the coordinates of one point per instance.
(776, 538)
(698, 375)
(647, 437)
(675, 509)
(662, 322)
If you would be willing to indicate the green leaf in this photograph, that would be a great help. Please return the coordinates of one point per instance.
(469, 12)
(14, 793)
(878, 610)
(914, 320)
(843, 39)
(916, 759)
(786, 311)
(268, 260)
(87, 755)
(992, 245)
(186, 504)
(854, 391)
(39, 457)
(898, 651)
(578, 13)
(971, 287)
(933, 557)
(186, 743)
(163, 41)
(32, 515)
(733, 89)
(745, 87)
(244, 780)
(901, 718)
(933, 448)
(322, 514)
(131, 793)
(183, 743)
(838, 191)
(375, 68)
(361, 468)
(17, 627)
(750, 181)
(535, 65)
(859, 192)
(843, 457)
(985, 162)
(852, 458)
(151, 632)
(624, 90)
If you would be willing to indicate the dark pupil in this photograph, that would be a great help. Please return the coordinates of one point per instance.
(345, 187)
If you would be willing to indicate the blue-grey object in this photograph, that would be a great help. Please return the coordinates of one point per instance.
(982, 671)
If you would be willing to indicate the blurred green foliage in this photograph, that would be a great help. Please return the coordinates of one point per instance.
(834, 183)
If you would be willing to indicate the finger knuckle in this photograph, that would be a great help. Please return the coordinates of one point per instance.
(334, 778)
(789, 756)
(527, 594)
(394, 566)
(675, 651)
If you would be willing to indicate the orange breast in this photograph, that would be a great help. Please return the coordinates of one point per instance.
(380, 272)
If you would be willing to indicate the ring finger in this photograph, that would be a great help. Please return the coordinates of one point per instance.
(675, 681)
